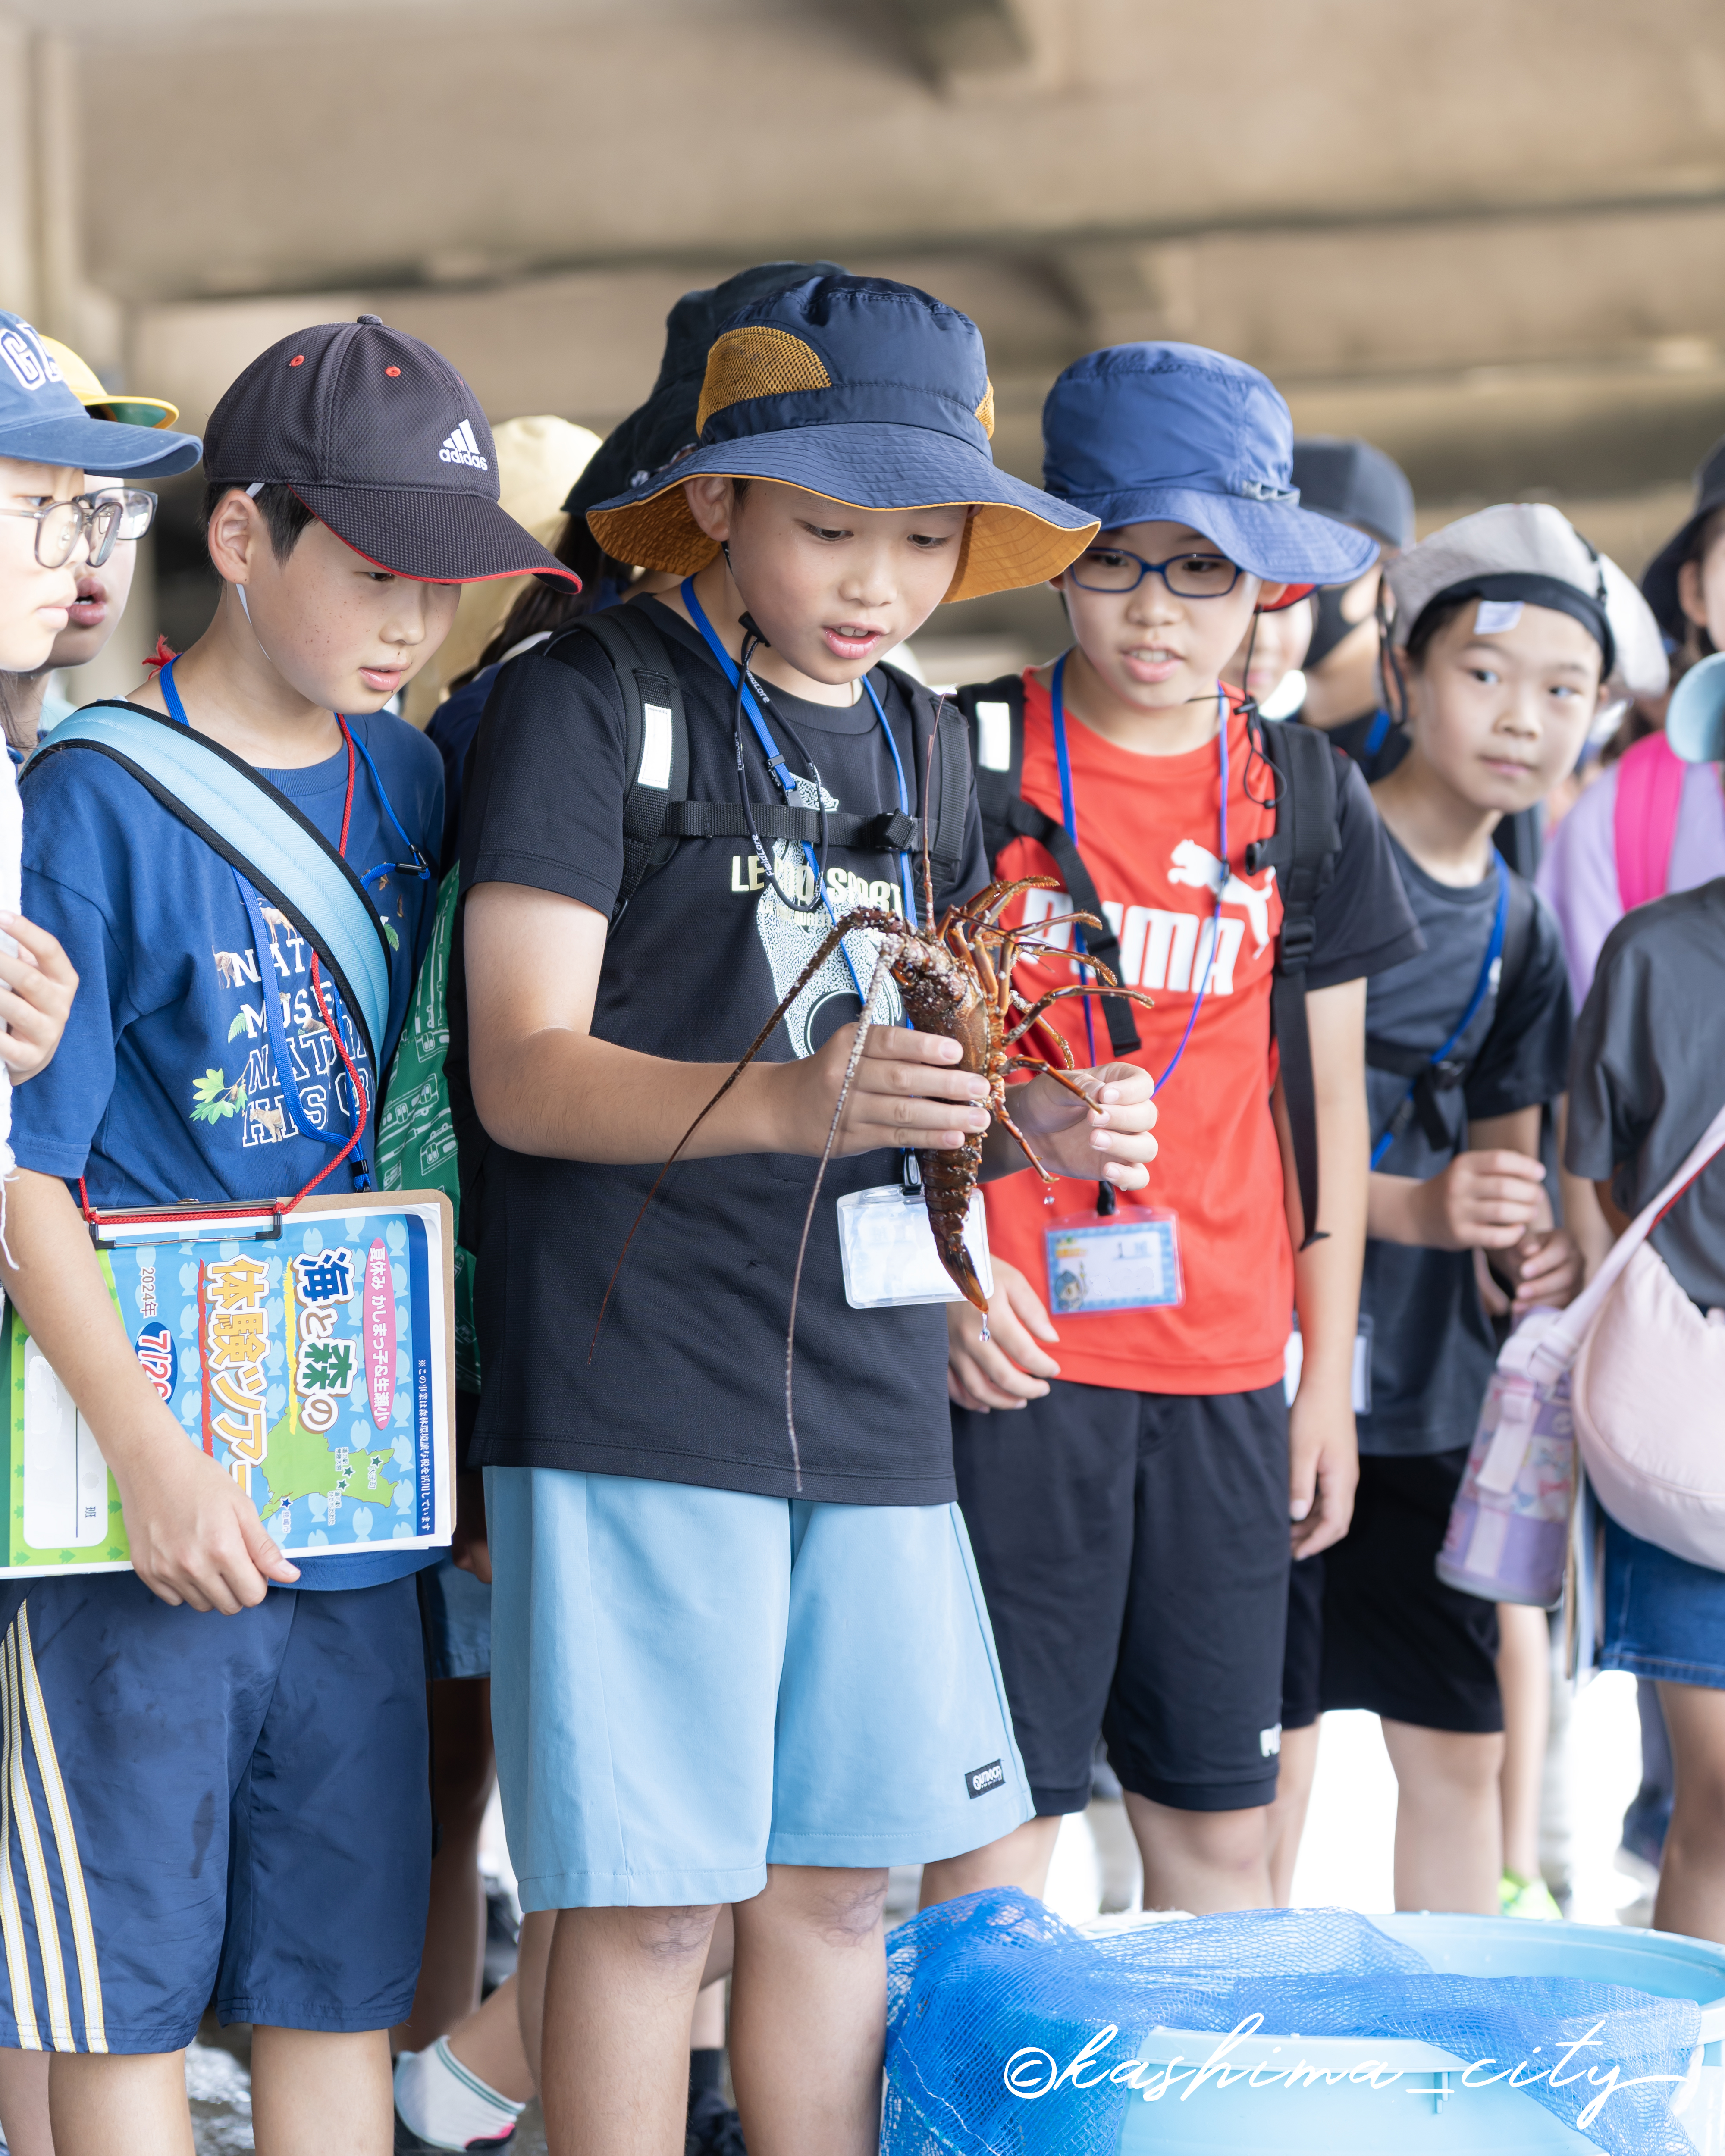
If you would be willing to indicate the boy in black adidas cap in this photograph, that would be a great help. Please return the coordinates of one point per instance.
(244, 1809)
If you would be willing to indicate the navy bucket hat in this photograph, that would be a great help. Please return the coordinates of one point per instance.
(1172, 432)
(41, 421)
(1658, 580)
(663, 430)
(870, 393)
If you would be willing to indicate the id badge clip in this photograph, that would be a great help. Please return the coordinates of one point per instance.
(889, 1253)
(1129, 1261)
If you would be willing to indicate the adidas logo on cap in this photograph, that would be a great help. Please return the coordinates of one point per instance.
(461, 449)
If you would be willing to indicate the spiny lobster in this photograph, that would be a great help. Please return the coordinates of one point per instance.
(956, 980)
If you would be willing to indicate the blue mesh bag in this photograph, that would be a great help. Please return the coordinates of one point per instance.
(993, 1997)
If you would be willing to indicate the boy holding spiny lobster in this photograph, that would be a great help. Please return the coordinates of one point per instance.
(714, 1682)
(1130, 1521)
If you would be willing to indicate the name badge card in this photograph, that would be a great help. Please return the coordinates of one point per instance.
(1129, 1262)
(889, 1253)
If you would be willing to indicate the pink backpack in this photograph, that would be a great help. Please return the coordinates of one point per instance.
(1633, 1375)
(1649, 792)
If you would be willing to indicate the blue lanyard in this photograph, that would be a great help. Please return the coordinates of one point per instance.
(776, 763)
(1057, 712)
(1481, 989)
(417, 865)
(264, 945)
(417, 861)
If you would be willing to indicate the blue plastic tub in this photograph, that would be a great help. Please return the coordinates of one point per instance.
(1427, 2110)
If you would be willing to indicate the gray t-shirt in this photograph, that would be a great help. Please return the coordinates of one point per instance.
(1648, 1076)
(1432, 1345)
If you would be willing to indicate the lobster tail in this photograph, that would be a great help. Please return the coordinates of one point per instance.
(957, 1260)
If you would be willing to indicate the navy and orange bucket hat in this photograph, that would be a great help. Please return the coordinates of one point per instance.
(872, 394)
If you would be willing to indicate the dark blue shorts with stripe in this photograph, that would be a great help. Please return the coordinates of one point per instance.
(199, 1807)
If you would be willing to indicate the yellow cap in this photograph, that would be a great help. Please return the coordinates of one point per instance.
(104, 403)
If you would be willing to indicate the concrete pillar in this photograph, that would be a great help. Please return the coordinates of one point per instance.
(18, 192)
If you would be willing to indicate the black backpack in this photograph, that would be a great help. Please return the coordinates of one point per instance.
(1302, 853)
(657, 813)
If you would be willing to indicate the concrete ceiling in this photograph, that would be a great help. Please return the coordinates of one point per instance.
(1490, 237)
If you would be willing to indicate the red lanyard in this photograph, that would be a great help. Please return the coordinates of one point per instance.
(282, 1206)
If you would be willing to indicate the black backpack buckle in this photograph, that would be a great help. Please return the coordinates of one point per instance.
(892, 831)
(1298, 941)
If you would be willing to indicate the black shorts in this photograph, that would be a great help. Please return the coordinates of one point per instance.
(1133, 1548)
(1396, 1640)
(1302, 1657)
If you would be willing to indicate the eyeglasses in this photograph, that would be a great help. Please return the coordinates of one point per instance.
(115, 514)
(137, 509)
(1187, 575)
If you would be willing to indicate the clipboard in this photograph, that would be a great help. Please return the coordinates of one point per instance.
(310, 1353)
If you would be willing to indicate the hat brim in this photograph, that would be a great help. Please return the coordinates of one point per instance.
(1271, 539)
(1019, 535)
(1695, 717)
(117, 410)
(107, 447)
(434, 535)
(1659, 579)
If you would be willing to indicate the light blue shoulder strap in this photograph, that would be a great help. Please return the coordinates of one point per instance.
(282, 857)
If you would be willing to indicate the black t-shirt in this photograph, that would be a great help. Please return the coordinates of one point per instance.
(1648, 1076)
(1432, 1347)
(687, 1381)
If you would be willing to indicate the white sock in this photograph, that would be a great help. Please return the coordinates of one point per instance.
(447, 2105)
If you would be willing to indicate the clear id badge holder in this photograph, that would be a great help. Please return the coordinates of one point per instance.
(1360, 1387)
(888, 1248)
(1128, 1259)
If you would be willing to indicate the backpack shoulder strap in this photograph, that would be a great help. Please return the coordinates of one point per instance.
(994, 719)
(994, 713)
(256, 829)
(655, 735)
(1303, 853)
(1518, 938)
(1643, 818)
(947, 812)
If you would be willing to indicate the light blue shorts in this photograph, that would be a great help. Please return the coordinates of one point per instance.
(688, 1685)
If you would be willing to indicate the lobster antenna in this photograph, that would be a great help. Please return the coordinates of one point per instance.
(940, 705)
(890, 948)
(829, 943)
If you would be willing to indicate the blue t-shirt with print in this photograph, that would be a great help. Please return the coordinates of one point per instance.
(165, 1088)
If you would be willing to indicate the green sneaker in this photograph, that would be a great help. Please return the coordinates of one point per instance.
(1527, 1897)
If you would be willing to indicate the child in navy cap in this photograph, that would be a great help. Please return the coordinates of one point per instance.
(244, 1811)
(1128, 1468)
(716, 1678)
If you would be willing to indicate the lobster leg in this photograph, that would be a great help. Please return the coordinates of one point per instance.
(1062, 1046)
(999, 895)
(1046, 1070)
(1055, 995)
(1053, 920)
(1024, 1146)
